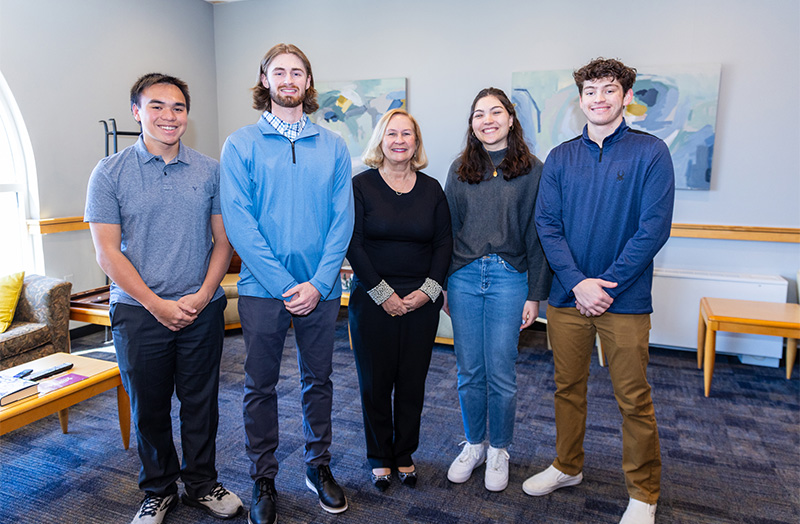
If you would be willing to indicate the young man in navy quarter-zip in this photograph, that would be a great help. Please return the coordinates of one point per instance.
(153, 209)
(603, 212)
(287, 202)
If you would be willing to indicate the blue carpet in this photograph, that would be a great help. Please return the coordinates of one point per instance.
(729, 458)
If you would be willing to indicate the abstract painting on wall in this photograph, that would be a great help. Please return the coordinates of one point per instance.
(677, 104)
(352, 108)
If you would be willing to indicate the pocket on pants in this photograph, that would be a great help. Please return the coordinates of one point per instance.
(508, 267)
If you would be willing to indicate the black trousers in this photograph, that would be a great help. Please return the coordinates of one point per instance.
(154, 362)
(391, 354)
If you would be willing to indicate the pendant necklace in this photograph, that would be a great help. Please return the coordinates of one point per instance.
(494, 173)
(398, 193)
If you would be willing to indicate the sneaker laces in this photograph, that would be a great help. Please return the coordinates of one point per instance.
(495, 460)
(470, 453)
(150, 505)
(217, 492)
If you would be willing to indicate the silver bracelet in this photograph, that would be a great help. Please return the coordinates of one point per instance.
(381, 293)
(431, 288)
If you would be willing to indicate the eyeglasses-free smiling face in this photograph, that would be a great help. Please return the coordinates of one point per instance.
(287, 80)
(491, 123)
(399, 142)
(603, 101)
(163, 115)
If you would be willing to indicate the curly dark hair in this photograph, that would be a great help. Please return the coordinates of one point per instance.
(605, 68)
(261, 99)
(475, 161)
(151, 79)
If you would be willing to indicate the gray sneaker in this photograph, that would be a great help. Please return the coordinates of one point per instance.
(154, 509)
(219, 503)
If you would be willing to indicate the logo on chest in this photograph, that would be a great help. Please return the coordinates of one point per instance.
(620, 176)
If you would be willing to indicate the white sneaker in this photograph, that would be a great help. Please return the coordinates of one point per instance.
(496, 477)
(639, 512)
(219, 503)
(154, 508)
(472, 456)
(548, 481)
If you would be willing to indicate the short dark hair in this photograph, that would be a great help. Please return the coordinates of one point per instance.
(475, 161)
(261, 99)
(605, 68)
(151, 79)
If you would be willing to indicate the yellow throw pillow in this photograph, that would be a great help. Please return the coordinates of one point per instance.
(10, 289)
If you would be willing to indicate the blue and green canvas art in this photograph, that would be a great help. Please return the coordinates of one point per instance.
(677, 104)
(353, 108)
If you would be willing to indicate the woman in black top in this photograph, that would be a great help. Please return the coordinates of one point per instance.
(400, 253)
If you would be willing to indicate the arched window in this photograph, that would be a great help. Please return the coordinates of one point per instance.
(18, 193)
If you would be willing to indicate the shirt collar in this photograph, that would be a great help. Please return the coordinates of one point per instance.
(610, 139)
(290, 131)
(147, 156)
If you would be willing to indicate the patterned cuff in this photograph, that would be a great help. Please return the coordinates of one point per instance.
(431, 288)
(381, 293)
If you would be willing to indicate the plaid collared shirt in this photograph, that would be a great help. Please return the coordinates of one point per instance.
(290, 131)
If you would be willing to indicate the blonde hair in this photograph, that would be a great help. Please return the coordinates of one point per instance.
(373, 155)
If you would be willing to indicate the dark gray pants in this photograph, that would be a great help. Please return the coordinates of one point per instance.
(265, 322)
(154, 362)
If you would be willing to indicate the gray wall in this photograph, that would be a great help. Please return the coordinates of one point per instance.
(450, 50)
(70, 63)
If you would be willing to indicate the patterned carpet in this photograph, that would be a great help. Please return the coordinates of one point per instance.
(729, 458)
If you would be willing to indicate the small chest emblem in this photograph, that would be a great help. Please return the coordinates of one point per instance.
(620, 176)
(194, 187)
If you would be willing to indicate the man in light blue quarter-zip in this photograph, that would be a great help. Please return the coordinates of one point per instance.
(287, 201)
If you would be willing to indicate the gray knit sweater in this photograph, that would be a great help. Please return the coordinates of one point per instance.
(497, 216)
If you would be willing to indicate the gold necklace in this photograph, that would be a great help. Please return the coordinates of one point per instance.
(386, 179)
(494, 173)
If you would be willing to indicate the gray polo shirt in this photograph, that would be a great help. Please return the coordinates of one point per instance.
(164, 212)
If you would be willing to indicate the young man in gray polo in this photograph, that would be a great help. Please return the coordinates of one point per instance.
(154, 213)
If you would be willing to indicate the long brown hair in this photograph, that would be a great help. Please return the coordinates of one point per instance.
(261, 98)
(475, 161)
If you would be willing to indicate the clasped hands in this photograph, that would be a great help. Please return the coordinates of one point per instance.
(177, 314)
(396, 306)
(591, 298)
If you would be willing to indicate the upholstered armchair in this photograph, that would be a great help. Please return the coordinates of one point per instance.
(41, 322)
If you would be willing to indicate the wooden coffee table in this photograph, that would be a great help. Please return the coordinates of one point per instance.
(100, 376)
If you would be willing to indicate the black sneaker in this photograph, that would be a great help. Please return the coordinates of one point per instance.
(263, 502)
(331, 497)
(154, 509)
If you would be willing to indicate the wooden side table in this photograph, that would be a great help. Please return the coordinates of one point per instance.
(744, 316)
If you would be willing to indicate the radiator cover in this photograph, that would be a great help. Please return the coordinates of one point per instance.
(676, 307)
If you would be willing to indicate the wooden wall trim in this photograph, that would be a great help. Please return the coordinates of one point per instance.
(762, 234)
(56, 225)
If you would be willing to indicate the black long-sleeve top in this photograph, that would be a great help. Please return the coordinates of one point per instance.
(401, 239)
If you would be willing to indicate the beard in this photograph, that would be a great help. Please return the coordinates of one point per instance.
(287, 101)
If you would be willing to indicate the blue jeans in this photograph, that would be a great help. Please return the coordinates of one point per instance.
(486, 298)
